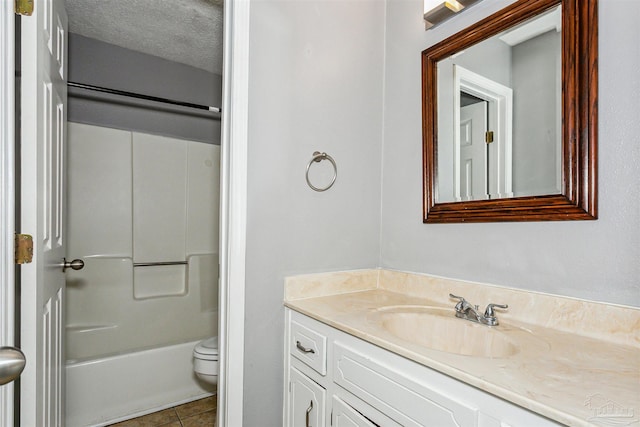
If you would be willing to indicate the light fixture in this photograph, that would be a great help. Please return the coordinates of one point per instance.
(438, 11)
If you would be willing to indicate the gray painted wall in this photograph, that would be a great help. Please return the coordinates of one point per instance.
(101, 64)
(537, 136)
(332, 76)
(316, 75)
(596, 260)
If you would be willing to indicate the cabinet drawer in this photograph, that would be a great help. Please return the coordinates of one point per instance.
(308, 346)
(400, 397)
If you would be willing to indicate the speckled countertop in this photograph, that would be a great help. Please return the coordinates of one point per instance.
(574, 361)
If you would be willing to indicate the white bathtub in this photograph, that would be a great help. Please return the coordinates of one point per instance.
(112, 389)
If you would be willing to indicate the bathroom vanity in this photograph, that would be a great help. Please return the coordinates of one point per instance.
(377, 347)
(337, 379)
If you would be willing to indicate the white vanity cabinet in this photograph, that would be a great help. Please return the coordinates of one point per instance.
(336, 379)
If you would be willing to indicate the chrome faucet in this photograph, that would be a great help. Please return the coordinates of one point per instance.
(464, 310)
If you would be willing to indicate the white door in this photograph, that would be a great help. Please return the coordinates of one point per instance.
(8, 360)
(42, 205)
(473, 152)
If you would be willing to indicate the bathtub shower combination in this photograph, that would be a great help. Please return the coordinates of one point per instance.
(143, 215)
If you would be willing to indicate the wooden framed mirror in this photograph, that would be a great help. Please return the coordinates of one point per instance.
(523, 117)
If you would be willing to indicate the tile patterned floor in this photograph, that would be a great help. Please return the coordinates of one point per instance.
(200, 413)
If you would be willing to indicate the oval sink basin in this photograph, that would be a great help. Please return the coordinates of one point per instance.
(438, 329)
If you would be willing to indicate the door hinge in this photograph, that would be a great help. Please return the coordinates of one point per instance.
(24, 7)
(488, 136)
(23, 248)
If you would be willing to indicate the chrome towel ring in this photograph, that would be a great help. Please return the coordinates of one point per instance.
(318, 157)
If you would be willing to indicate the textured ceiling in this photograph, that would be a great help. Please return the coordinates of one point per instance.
(185, 31)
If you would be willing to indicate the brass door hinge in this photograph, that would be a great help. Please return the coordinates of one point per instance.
(24, 7)
(488, 136)
(23, 248)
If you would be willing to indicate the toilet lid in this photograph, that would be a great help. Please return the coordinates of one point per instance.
(208, 347)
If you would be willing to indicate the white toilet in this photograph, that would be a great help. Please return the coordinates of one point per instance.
(205, 358)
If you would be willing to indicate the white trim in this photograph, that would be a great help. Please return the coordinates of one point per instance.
(7, 195)
(233, 212)
(500, 100)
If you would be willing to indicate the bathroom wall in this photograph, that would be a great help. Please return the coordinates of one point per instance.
(596, 260)
(322, 77)
(102, 64)
(315, 84)
(537, 128)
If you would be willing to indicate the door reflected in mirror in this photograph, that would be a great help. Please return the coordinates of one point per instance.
(504, 136)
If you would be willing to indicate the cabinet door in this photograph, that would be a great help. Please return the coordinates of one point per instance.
(410, 401)
(306, 401)
(345, 416)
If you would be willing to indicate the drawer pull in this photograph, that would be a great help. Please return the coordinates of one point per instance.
(309, 413)
(304, 350)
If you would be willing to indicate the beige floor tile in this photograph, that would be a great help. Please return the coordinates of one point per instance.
(196, 407)
(156, 419)
(205, 419)
(193, 414)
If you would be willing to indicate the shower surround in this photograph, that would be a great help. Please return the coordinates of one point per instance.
(136, 200)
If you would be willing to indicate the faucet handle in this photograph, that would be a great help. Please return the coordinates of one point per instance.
(462, 303)
(489, 311)
(461, 299)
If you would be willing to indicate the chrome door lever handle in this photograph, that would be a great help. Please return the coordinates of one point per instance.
(12, 362)
(76, 264)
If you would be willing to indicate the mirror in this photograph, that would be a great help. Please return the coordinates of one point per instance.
(496, 145)
(510, 116)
